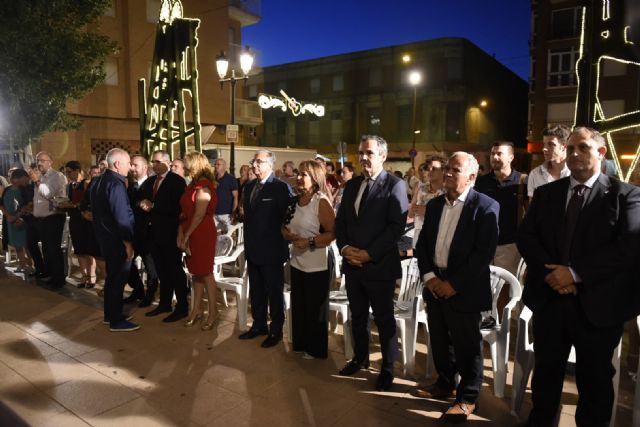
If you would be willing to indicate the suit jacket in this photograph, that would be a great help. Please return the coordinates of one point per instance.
(112, 214)
(263, 241)
(164, 217)
(603, 251)
(140, 242)
(378, 226)
(472, 248)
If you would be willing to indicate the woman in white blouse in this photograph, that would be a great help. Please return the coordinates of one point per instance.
(310, 231)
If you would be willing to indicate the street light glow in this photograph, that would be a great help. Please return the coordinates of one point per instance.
(406, 58)
(222, 64)
(246, 61)
(483, 103)
(415, 78)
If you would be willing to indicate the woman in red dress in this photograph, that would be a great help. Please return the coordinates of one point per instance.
(197, 235)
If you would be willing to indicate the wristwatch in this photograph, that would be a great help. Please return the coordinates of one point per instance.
(312, 243)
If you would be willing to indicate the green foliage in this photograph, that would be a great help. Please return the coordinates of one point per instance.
(51, 54)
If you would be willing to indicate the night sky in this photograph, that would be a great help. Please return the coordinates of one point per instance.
(297, 30)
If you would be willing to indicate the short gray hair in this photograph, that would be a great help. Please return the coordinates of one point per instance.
(270, 155)
(472, 166)
(383, 147)
(165, 155)
(114, 155)
(595, 135)
(220, 159)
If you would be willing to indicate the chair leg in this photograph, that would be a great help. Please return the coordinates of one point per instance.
(348, 340)
(224, 297)
(402, 327)
(522, 367)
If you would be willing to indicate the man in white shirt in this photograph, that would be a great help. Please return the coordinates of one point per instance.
(554, 140)
(456, 246)
(49, 221)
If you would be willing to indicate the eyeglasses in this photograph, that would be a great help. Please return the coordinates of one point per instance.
(258, 162)
(156, 161)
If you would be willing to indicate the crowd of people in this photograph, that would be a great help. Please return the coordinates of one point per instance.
(577, 229)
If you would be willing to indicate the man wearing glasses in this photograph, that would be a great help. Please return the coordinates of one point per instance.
(50, 221)
(266, 199)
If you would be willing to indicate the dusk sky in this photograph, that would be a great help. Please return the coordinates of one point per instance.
(297, 30)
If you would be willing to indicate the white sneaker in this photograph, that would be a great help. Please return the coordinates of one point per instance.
(307, 356)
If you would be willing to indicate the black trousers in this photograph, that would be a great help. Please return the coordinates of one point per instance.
(556, 327)
(168, 261)
(310, 312)
(50, 231)
(135, 280)
(266, 290)
(118, 269)
(378, 294)
(456, 343)
(33, 237)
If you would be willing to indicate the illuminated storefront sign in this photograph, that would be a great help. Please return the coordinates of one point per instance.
(286, 102)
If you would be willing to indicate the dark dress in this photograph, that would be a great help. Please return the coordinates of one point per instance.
(83, 236)
(202, 241)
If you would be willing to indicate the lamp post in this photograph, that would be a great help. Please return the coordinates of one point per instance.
(222, 66)
(414, 80)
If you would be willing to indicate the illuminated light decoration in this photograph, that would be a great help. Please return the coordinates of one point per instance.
(163, 115)
(616, 47)
(626, 35)
(297, 108)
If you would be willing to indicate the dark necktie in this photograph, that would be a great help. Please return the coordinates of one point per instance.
(255, 192)
(570, 220)
(365, 193)
(156, 185)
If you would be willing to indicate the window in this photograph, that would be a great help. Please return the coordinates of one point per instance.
(612, 68)
(562, 67)
(153, 11)
(281, 126)
(253, 91)
(566, 22)
(613, 107)
(338, 83)
(560, 113)
(232, 36)
(375, 77)
(314, 85)
(314, 131)
(336, 125)
(111, 72)
(404, 118)
(454, 69)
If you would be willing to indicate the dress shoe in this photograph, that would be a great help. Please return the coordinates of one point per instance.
(196, 319)
(459, 412)
(252, 333)
(158, 310)
(210, 323)
(352, 367)
(175, 316)
(434, 391)
(271, 341)
(131, 298)
(385, 381)
(146, 302)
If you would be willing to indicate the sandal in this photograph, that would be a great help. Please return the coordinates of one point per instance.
(90, 282)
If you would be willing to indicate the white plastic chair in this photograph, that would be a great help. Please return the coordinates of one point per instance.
(498, 337)
(341, 307)
(238, 285)
(525, 359)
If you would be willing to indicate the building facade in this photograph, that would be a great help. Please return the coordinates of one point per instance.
(466, 100)
(110, 112)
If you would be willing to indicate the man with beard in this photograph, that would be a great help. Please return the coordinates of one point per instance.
(370, 221)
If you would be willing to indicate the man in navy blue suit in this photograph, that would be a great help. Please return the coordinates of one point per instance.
(113, 223)
(456, 246)
(369, 223)
(266, 199)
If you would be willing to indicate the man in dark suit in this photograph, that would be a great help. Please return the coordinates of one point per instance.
(161, 200)
(580, 238)
(369, 223)
(113, 224)
(456, 246)
(266, 199)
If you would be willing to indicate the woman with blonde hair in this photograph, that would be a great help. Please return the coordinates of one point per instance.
(311, 231)
(197, 235)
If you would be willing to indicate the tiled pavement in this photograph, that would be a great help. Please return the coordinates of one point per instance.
(60, 366)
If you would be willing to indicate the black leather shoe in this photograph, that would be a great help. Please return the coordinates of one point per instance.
(146, 302)
(158, 310)
(271, 341)
(131, 298)
(252, 333)
(352, 367)
(385, 381)
(175, 316)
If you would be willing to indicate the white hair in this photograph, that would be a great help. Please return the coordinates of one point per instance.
(116, 154)
(270, 156)
(471, 166)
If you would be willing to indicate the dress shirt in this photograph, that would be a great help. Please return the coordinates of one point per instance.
(52, 184)
(142, 180)
(446, 229)
(371, 181)
(541, 176)
(589, 184)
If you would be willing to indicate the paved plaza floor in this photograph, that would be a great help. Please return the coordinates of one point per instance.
(60, 366)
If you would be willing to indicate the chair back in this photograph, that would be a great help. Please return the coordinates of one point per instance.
(500, 277)
(224, 245)
(521, 273)
(411, 282)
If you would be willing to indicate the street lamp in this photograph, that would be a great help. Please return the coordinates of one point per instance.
(415, 77)
(222, 66)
